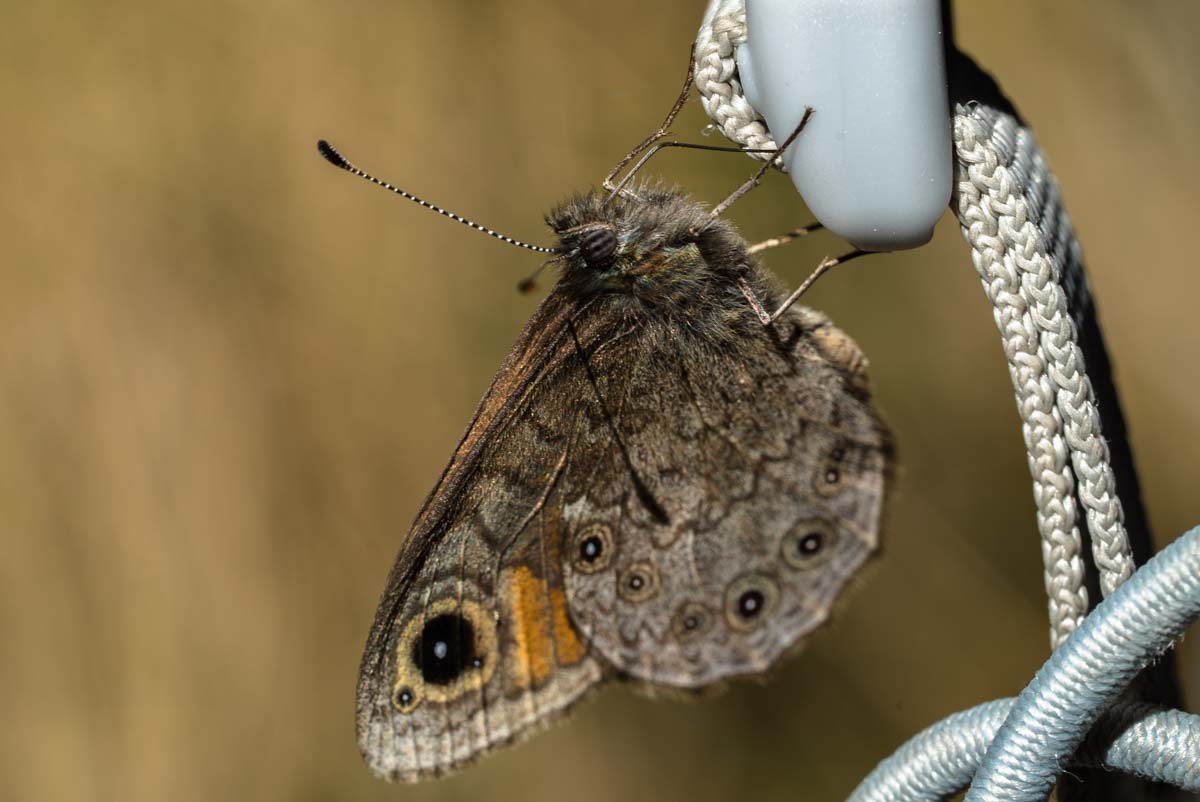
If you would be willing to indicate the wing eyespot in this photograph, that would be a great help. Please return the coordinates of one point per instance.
(833, 475)
(638, 583)
(404, 699)
(440, 655)
(445, 649)
(808, 544)
(749, 601)
(593, 548)
(692, 620)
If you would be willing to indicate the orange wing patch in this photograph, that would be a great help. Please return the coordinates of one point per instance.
(543, 633)
(569, 647)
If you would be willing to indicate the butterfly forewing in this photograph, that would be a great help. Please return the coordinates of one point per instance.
(472, 643)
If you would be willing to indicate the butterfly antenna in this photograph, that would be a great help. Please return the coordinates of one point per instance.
(338, 160)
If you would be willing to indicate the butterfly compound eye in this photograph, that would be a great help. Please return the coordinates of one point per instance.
(598, 247)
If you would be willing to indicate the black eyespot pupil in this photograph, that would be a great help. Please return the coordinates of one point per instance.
(404, 697)
(837, 454)
(691, 622)
(590, 549)
(637, 582)
(832, 476)
(810, 544)
(445, 649)
(598, 246)
(750, 603)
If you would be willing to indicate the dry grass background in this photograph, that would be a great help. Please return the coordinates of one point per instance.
(229, 374)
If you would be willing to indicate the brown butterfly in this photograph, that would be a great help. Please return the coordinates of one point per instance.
(657, 487)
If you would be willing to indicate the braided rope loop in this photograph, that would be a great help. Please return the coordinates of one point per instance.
(1006, 186)
(982, 191)
(720, 34)
(1023, 248)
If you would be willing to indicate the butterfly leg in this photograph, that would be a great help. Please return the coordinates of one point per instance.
(784, 239)
(662, 129)
(649, 154)
(757, 178)
(764, 316)
(824, 267)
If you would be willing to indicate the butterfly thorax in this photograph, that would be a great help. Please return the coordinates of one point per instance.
(658, 256)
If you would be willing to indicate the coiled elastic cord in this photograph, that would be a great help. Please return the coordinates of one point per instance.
(1161, 745)
(1138, 622)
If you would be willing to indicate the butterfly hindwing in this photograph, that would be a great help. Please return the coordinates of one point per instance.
(769, 467)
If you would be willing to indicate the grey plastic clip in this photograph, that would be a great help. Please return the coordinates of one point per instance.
(874, 163)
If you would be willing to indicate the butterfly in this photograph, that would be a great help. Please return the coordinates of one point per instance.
(662, 485)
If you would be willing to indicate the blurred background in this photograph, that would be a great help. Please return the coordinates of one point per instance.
(230, 373)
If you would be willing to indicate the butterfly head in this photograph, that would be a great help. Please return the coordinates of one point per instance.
(654, 246)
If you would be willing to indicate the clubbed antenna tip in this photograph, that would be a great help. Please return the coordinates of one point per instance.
(331, 155)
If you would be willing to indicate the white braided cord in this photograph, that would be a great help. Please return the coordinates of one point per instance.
(1041, 421)
(1024, 249)
(1000, 158)
(723, 29)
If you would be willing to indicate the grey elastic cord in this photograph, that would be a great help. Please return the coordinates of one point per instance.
(938, 761)
(1137, 623)
(1160, 745)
